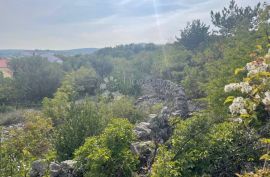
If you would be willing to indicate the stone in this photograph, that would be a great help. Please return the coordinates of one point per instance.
(143, 131)
(177, 113)
(152, 116)
(63, 169)
(141, 147)
(55, 169)
(38, 168)
(167, 92)
(145, 150)
(68, 165)
(156, 130)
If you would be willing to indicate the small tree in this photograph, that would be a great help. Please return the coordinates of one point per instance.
(35, 78)
(109, 154)
(232, 17)
(194, 34)
(81, 121)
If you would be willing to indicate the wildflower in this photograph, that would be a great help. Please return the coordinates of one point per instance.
(243, 111)
(231, 87)
(245, 87)
(238, 106)
(257, 96)
(103, 86)
(266, 100)
(106, 80)
(256, 66)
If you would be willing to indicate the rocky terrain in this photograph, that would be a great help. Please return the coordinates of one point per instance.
(150, 133)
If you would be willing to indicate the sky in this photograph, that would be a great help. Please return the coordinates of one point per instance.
(69, 24)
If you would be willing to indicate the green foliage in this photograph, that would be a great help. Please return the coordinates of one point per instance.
(124, 108)
(35, 78)
(76, 84)
(12, 117)
(126, 77)
(198, 147)
(109, 153)
(81, 120)
(203, 145)
(23, 145)
(125, 51)
(236, 53)
(233, 17)
(194, 34)
(102, 66)
(6, 92)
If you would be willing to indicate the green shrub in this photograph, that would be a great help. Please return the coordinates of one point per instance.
(22, 145)
(109, 154)
(82, 120)
(199, 148)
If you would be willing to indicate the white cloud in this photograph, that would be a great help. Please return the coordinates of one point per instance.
(66, 24)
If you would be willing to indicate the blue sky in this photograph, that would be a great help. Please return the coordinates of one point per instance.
(66, 24)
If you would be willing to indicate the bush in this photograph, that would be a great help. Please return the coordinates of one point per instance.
(22, 145)
(35, 78)
(199, 148)
(75, 85)
(124, 108)
(82, 120)
(12, 117)
(109, 154)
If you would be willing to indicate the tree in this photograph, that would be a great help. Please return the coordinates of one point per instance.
(229, 19)
(75, 85)
(7, 93)
(123, 108)
(35, 78)
(194, 34)
(102, 66)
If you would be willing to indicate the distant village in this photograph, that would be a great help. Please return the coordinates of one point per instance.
(6, 70)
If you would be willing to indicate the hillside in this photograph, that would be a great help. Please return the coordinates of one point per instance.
(199, 106)
(20, 52)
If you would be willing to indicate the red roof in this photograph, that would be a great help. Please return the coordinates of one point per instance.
(3, 63)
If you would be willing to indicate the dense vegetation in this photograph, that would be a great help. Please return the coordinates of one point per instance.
(84, 108)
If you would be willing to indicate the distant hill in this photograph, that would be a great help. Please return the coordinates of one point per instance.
(20, 53)
(126, 51)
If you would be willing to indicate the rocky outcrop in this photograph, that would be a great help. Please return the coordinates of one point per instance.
(175, 103)
(143, 131)
(145, 150)
(170, 94)
(156, 130)
(38, 168)
(66, 168)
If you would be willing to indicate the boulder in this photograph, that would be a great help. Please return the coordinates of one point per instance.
(166, 92)
(68, 166)
(142, 147)
(145, 150)
(143, 131)
(38, 168)
(63, 169)
(55, 169)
